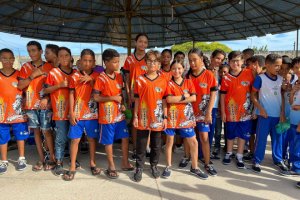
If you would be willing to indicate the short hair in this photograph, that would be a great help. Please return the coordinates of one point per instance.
(295, 61)
(196, 51)
(179, 53)
(53, 47)
(34, 43)
(258, 58)
(140, 35)
(152, 52)
(286, 60)
(271, 58)
(109, 54)
(65, 49)
(224, 66)
(5, 50)
(248, 51)
(234, 54)
(218, 51)
(167, 51)
(87, 52)
(206, 62)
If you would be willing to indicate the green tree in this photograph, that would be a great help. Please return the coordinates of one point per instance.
(204, 46)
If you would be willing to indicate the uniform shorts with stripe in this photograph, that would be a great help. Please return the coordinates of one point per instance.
(184, 132)
(238, 130)
(202, 127)
(111, 132)
(91, 128)
(20, 130)
(40, 119)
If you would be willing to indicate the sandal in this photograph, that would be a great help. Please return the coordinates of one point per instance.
(69, 175)
(50, 165)
(38, 166)
(95, 171)
(112, 174)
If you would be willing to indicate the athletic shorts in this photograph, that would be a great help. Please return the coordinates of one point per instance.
(111, 132)
(239, 130)
(91, 128)
(20, 130)
(184, 132)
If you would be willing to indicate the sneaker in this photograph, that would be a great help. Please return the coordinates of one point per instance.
(298, 185)
(21, 165)
(283, 169)
(166, 173)
(203, 162)
(3, 167)
(58, 170)
(137, 177)
(227, 159)
(210, 170)
(216, 151)
(256, 168)
(248, 157)
(232, 155)
(240, 164)
(155, 172)
(184, 162)
(199, 173)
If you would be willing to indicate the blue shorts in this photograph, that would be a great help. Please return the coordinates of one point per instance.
(111, 132)
(91, 128)
(184, 132)
(39, 119)
(20, 130)
(253, 127)
(202, 127)
(238, 129)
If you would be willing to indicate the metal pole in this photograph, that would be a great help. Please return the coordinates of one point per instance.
(128, 16)
(297, 42)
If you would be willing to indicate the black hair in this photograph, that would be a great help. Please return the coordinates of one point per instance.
(196, 51)
(234, 54)
(140, 35)
(109, 54)
(5, 50)
(167, 51)
(34, 43)
(248, 51)
(179, 53)
(258, 58)
(53, 47)
(218, 51)
(271, 58)
(177, 62)
(152, 52)
(295, 61)
(286, 60)
(206, 62)
(65, 49)
(224, 66)
(87, 52)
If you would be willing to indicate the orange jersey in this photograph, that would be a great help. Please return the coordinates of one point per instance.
(60, 97)
(135, 68)
(150, 108)
(110, 111)
(85, 108)
(33, 91)
(166, 74)
(11, 99)
(180, 115)
(204, 83)
(237, 89)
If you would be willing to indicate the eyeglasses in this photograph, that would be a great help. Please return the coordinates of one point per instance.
(152, 62)
(7, 60)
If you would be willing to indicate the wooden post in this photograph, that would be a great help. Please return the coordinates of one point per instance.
(128, 17)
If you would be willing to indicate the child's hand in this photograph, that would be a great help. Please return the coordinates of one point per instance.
(282, 118)
(165, 124)
(135, 122)
(73, 120)
(64, 84)
(208, 118)
(43, 104)
(254, 116)
(118, 99)
(296, 107)
(85, 78)
(296, 88)
(223, 116)
(186, 95)
(123, 108)
(263, 113)
(36, 73)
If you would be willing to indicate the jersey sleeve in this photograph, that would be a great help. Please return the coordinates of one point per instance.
(72, 83)
(136, 88)
(213, 83)
(98, 86)
(23, 73)
(169, 90)
(126, 67)
(257, 83)
(224, 86)
(191, 88)
(49, 80)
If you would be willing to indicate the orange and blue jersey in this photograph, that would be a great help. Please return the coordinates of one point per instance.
(237, 90)
(150, 108)
(204, 83)
(180, 115)
(60, 97)
(33, 92)
(110, 111)
(85, 108)
(11, 100)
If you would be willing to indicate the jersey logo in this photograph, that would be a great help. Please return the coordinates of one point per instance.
(245, 83)
(185, 91)
(14, 84)
(158, 89)
(203, 85)
(144, 67)
(119, 86)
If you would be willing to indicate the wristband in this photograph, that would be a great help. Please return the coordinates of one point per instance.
(182, 98)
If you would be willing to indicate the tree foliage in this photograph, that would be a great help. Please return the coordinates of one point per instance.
(204, 46)
(263, 48)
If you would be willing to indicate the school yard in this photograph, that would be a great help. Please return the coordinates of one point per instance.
(231, 183)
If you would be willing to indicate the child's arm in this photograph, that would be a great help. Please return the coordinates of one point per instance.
(296, 107)
(53, 88)
(73, 119)
(179, 99)
(254, 99)
(208, 117)
(222, 102)
(165, 122)
(135, 112)
(23, 83)
(293, 91)
(100, 98)
(127, 88)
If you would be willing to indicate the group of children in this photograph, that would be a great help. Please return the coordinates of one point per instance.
(251, 95)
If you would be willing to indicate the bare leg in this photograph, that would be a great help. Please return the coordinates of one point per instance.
(125, 162)
(110, 159)
(38, 142)
(21, 148)
(168, 152)
(73, 153)
(193, 145)
(205, 146)
(3, 151)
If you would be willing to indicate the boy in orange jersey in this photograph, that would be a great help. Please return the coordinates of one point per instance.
(11, 114)
(108, 92)
(150, 114)
(83, 111)
(57, 85)
(31, 81)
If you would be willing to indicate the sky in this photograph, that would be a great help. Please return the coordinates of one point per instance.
(277, 42)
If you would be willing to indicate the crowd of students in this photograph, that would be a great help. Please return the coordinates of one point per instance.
(251, 95)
